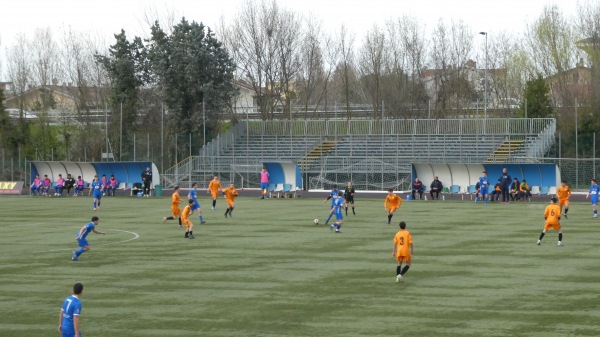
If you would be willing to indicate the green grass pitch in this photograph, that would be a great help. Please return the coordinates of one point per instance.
(269, 271)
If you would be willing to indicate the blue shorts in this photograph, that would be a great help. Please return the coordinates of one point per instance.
(83, 243)
(338, 216)
(71, 333)
(97, 195)
(595, 200)
(195, 205)
(264, 186)
(483, 191)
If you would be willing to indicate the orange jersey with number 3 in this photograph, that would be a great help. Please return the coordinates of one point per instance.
(403, 241)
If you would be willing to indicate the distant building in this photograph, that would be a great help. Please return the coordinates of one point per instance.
(572, 84)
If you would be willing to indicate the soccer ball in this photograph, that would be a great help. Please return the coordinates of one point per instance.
(316, 221)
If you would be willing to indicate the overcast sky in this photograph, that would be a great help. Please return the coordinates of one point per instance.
(106, 17)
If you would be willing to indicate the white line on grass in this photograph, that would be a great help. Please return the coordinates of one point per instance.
(135, 236)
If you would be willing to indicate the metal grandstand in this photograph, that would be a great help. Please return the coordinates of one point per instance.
(374, 154)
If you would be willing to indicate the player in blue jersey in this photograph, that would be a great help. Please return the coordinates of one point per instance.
(594, 192)
(338, 204)
(96, 189)
(484, 182)
(81, 236)
(193, 195)
(332, 195)
(68, 323)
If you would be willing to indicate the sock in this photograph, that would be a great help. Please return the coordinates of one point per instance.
(98, 203)
(329, 217)
(485, 201)
(191, 233)
(476, 198)
(398, 269)
(214, 203)
(179, 219)
(353, 210)
(346, 210)
(186, 234)
(595, 211)
(79, 251)
(566, 211)
(390, 217)
(230, 210)
(404, 270)
(559, 236)
(201, 218)
(337, 227)
(542, 235)
(94, 204)
(170, 218)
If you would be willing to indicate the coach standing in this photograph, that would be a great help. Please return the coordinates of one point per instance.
(147, 180)
(505, 182)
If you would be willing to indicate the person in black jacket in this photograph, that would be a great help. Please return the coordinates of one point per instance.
(435, 187)
(69, 184)
(147, 180)
(505, 181)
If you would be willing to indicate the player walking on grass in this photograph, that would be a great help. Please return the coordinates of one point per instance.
(213, 188)
(81, 237)
(483, 188)
(230, 194)
(96, 189)
(175, 210)
(403, 250)
(68, 321)
(552, 216)
(185, 219)
(349, 196)
(264, 183)
(193, 195)
(594, 192)
(338, 203)
(563, 192)
(332, 195)
(391, 204)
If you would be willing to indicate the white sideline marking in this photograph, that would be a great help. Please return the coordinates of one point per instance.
(135, 236)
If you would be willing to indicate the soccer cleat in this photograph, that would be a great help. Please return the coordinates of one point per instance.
(225, 214)
(192, 237)
(560, 244)
(331, 227)
(398, 278)
(74, 256)
(539, 242)
(389, 221)
(164, 219)
(595, 216)
(203, 222)
(212, 208)
(338, 231)
(565, 215)
(94, 209)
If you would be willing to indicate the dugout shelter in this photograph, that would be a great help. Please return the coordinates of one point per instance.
(284, 177)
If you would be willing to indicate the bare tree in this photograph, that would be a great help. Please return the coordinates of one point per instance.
(346, 69)
(371, 65)
(19, 70)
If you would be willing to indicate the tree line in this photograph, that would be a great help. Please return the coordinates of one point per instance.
(183, 77)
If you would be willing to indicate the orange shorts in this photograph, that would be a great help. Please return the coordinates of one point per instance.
(403, 258)
(548, 226)
(186, 222)
(562, 202)
(176, 211)
(392, 209)
(215, 194)
(230, 203)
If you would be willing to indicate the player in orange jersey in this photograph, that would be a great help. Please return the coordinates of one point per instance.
(213, 188)
(185, 219)
(403, 250)
(391, 204)
(563, 192)
(230, 193)
(175, 210)
(552, 216)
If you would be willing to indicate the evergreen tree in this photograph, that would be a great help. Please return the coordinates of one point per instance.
(537, 98)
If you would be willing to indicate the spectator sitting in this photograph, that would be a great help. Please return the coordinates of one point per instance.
(46, 184)
(514, 190)
(524, 191)
(113, 183)
(435, 187)
(60, 184)
(495, 194)
(80, 186)
(105, 185)
(417, 187)
(69, 184)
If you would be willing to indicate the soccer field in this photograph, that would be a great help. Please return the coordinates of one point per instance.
(269, 271)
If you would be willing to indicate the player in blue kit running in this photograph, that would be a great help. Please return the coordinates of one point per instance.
(96, 189)
(193, 195)
(68, 323)
(332, 195)
(338, 204)
(483, 188)
(81, 236)
(594, 192)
